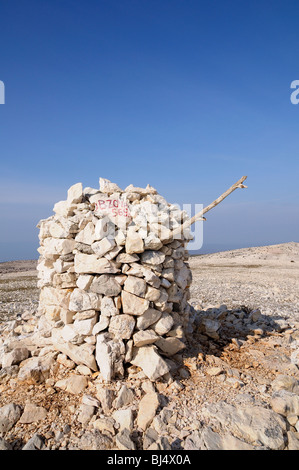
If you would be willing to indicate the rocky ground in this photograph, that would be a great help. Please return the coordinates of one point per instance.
(236, 386)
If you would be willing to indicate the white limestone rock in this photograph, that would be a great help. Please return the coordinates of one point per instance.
(147, 410)
(164, 324)
(127, 258)
(64, 280)
(132, 304)
(82, 354)
(152, 257)
(55, 296)
(107, 187)
(85, 327)
(61, 266)
(152, 242)
(135, 285)
(143, 337)
(91, 264)
(125, 418)
(84, 281)
(58, 246)
(152, 294)
(103, 228)
(122, 326)
(142, 191)
(81, 300)
(148, 359)
(149, 317)
(63, 209)
(73, 384)
(15, 356)
(87, 235)
(108, 308)
(134, 243)
(109, 356)
(106, 284)
(101, 325)
(69, 334)
(103, 246)
(170, 346)
(75, 194)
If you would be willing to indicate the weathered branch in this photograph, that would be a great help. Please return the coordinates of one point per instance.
(199, 215)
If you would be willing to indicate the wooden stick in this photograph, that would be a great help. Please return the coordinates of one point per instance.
(199, 215)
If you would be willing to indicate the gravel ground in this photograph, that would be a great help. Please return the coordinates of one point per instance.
(264, 277)
(245, 334)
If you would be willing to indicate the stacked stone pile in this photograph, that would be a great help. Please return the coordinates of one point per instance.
(114, 281)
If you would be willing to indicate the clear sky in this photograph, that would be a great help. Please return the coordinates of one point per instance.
(185, 95)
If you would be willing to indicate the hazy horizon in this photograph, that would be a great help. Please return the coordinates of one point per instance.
(185, 96)
(206, 249)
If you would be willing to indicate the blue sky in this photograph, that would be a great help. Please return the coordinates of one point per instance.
(187, 96)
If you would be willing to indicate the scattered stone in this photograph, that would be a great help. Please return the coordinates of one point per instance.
(93, 440)
(286, 382)
(91, 401)
(125, 397)
(36, 442)
(106, 397)
(285, 403)
(33, 413)
(14, 357)
(293, 441)
(4, 445)
(83, 323)
(124, 418)
(104, 425)
(147, 358)
(85, 414)
(214, 371)
(207, 439)
(253, 424)
(147, 410)
(9, 415)
(74, 384)
(124, 441)
(161, 443)
(35, 369)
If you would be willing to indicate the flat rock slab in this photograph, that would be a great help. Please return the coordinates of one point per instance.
(254, 424)
(33, 413)
(147, 410)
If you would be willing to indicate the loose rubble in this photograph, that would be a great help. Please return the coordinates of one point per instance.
(75, 379)
(238, 391)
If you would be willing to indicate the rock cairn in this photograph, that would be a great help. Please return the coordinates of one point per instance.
(114, 280)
